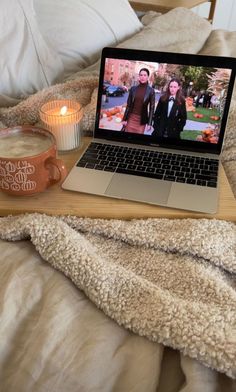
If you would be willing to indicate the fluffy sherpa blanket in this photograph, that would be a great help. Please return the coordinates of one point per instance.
(171, 281)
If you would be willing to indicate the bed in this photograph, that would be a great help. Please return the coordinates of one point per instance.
(110, 305)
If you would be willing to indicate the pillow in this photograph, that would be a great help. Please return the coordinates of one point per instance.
(79, 29)
(27, 64)
(179, 30)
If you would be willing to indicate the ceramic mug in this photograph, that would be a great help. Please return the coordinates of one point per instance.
(28, 162)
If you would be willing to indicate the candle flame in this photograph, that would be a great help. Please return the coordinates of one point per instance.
(63, 110)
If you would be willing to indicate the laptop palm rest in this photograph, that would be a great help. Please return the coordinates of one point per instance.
(139, 189)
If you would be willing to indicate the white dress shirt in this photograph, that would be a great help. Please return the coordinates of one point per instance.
(170, 104)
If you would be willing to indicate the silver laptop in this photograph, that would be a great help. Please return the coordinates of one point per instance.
(158, 139)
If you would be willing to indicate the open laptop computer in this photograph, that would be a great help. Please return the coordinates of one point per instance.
(178, 172)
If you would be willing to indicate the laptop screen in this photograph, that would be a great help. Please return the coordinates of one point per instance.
(168, 99)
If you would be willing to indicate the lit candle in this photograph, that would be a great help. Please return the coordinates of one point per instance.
(62, 118)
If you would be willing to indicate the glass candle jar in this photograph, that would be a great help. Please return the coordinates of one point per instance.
(62, 117)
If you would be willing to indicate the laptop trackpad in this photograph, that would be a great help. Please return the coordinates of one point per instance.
(142, 189)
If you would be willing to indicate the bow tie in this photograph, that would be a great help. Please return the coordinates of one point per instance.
(171, 99)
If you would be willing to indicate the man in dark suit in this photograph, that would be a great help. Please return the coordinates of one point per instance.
(170, 115)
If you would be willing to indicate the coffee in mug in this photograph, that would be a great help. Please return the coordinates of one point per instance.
(28, 162)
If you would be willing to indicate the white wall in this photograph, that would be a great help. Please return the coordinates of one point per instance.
(225, 14)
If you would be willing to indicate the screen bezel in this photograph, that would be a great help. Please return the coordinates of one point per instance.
(172, 58)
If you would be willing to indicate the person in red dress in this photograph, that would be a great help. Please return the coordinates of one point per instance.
(140, 106)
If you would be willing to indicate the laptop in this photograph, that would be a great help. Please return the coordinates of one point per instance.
(144, 163)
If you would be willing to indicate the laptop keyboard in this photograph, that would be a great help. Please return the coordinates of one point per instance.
(152, 164)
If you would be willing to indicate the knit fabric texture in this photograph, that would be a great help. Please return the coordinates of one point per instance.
(172, 281)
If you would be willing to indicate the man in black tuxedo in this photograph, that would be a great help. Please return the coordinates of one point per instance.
(170, 115)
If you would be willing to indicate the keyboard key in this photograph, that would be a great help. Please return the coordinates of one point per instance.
(109, 168)
(90, 165)
(212, 184)
(129, 161)
(81, 164)
(169, 178)
(179, 174)
(185, 169)
(131, 167)
(122, 165)
(180, 179)
(189, 175)
(175, 167)
(160, 171)
(185, 164)
(141, 168)
(99, 167)
(195, 171)
(191, 181)
(201, 182)
(166, 167)
(209, 173)
(169, 173)
(92, 160)
(138, 173)
(201, 177)
(150, 170)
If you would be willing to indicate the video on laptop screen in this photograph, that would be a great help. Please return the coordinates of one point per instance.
(163, 100)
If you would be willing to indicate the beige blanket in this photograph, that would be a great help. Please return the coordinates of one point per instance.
(170, 281)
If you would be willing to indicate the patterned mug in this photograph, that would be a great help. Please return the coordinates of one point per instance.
(28, 162)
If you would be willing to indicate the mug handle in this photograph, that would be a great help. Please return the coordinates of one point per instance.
(61, 170)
